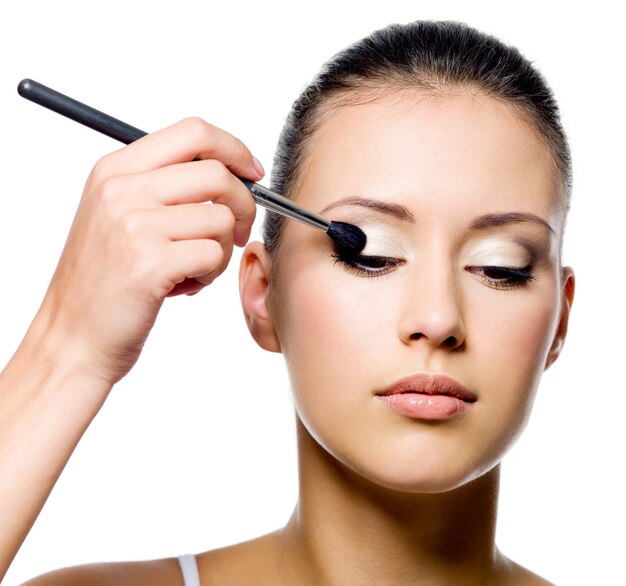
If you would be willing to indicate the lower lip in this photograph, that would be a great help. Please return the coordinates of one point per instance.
(422, 406)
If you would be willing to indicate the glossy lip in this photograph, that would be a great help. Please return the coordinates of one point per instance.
(426, 396)
(430, 384)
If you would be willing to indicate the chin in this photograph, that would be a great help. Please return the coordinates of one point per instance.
(425, 464)
(432, 473)
(425, 480)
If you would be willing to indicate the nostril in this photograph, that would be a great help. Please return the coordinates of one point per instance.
(449, 342)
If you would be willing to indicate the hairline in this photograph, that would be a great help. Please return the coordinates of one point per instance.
(376, 88)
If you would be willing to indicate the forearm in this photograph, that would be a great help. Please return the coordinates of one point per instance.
(47, 401)
(141, 233)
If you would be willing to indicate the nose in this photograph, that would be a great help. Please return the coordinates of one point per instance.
(431, 311)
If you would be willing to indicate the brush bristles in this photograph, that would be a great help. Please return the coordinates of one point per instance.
(350, 239)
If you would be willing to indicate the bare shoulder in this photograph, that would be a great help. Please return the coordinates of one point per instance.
(163, 572)
(252, 562)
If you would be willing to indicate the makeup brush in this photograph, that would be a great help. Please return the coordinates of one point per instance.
(349, 239)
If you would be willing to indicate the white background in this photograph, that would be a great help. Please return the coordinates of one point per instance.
(195, 449)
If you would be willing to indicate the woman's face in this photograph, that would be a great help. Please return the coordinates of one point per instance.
(458, 198)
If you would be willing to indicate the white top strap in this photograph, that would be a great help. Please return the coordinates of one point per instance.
(189, 567)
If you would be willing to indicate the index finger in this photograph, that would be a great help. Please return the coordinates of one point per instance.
(184, 141)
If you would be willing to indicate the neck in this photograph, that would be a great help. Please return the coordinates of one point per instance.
(346, 530)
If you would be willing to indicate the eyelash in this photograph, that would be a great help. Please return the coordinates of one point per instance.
(368, 266)
(505, 278)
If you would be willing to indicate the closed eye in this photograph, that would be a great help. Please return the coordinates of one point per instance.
(369, 265)
(499, 277)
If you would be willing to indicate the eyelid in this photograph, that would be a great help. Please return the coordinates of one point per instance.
(501, 250)
(510, 278)
(514, 277)
(357, 264)
(384, 240)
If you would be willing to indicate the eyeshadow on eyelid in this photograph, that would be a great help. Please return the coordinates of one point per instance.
(384, 241)
(387, 233)
(495, 251)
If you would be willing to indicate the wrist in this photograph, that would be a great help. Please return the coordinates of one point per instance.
(54, 361)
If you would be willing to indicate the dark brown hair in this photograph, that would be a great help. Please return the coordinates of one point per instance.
(437, 57)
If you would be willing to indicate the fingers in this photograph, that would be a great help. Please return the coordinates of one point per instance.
(151, 224)
(186, 242)
(196, 241)
(187, 287)
(202, 260)
(191, 222)
(161, 226)
(201, 181)
(182, 142)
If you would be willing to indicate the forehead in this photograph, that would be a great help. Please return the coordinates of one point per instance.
(465, 153)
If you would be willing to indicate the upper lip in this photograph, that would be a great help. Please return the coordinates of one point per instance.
(430, 384)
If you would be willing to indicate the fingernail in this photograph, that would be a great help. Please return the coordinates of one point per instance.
(258, 166)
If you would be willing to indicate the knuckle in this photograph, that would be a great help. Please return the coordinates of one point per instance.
(110, 192)
(225, 218)
(132, 223)
(101, 168)
(215, 251)
(219, 174)
(143, 270)
(197, 127)
(212, 254)
(242, 152)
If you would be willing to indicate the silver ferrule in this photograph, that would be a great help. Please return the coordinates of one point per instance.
(284, 206)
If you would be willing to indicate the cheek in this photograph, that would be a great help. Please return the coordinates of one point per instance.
(512, 341)
(335, 330)
(340, 339)
(331, 318)
(517, 333)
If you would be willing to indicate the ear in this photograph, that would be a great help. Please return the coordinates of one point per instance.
(567, 298)
(254, 290)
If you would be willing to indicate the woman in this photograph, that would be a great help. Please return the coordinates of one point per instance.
(445, 146)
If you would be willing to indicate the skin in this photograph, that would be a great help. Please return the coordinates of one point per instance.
(397, 496)
(141, 233)
(447, 162)
(386, 499)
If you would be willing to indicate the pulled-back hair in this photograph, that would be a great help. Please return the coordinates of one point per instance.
(437, 57)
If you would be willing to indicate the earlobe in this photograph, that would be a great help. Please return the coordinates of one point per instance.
(567, 298)
(254, 291)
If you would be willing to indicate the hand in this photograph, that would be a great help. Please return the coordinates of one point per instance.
(144, 231)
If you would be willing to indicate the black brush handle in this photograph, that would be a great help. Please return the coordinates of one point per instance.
(125, 133)
(79, 112)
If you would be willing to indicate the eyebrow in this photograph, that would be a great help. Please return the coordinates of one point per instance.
(403, 213)
(391, 209)
(491, 220)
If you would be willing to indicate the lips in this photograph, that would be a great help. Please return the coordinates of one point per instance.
(430, 384)
(427, 396)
